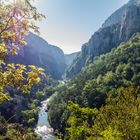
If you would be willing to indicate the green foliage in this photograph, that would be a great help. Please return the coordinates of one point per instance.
(80, 121)
(90, 88)
(17, 132)
(23, 109)
(13, 76)
(30, 117)
(17, 17)
(15, 22)
(119, 118)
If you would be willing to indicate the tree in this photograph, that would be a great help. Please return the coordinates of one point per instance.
(119, 118)
(16, 18)
(80, 121)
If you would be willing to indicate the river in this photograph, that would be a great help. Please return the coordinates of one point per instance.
(43, 128)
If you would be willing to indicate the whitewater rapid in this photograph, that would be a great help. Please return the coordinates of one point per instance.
(43, 128)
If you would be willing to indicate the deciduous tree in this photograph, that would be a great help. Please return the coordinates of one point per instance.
(17, 17)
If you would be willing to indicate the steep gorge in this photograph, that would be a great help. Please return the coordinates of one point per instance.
(118, 28)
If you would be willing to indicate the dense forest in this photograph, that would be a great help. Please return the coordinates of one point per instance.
(93, 94)
(97, 93)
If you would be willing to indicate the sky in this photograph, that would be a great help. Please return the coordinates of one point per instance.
(70, 23)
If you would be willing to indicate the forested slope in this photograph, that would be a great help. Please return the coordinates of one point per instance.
(89, 89)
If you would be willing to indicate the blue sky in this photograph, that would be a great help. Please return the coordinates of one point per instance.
(70, 23)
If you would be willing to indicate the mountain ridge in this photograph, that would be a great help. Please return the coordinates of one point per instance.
(112, 33)
(40, 53)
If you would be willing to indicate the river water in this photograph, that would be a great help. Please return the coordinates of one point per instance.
(43, 128)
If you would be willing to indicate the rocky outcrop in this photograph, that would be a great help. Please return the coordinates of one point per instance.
(119, 27)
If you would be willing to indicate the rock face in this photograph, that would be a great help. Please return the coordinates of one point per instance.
(38, 52)
(69, 58)
(119, 27)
